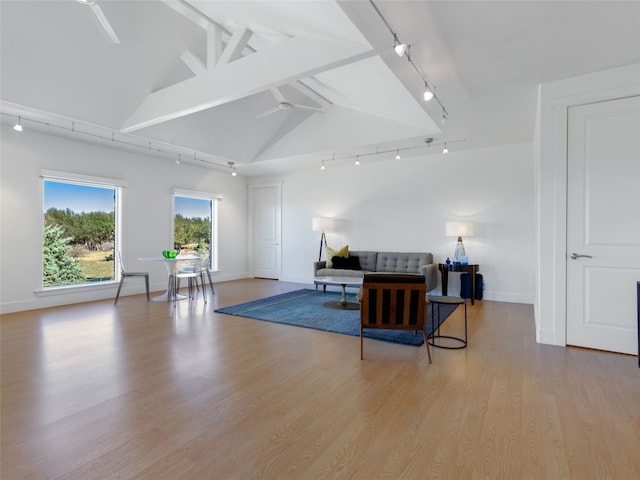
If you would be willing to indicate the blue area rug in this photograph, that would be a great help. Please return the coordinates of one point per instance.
(304, 308)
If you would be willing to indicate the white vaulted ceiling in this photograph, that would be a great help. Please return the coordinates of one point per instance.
(172, 82)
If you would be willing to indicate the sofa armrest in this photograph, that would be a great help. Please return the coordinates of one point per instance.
(430, 272)
(317, 266)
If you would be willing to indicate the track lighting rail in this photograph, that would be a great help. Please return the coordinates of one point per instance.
(73, 128)
(428, 142)
(429, 91)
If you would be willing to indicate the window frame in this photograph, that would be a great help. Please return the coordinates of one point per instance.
(92, 181)
(215, 199)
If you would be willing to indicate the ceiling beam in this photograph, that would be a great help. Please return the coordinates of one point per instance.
(200, 19)
(214, 44)
(306, 90)
(235, 46)
(214, 50)
(196, 16)
(283, 63)
(196, 65)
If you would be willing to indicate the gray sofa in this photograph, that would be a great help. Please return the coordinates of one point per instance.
(388, 262)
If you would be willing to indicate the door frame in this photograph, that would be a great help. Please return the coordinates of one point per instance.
(551, 160)
(250, 227)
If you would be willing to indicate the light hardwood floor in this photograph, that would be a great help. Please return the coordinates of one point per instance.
(135, 391)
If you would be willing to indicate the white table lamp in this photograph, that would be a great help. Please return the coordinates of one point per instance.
(459, 229)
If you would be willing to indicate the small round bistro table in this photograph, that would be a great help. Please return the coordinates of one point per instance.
(344, 282)
(436, 301)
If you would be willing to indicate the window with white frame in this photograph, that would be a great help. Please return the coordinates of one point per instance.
(195, 224)
(81, 219)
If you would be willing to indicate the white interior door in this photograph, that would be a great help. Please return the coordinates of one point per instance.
(603, 225)
(267, 213)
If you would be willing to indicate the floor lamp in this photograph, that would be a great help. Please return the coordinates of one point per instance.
(322, 224)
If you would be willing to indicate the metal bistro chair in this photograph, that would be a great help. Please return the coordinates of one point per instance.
(124, 274)
(393, 301)
(205, 271)
(189, 269)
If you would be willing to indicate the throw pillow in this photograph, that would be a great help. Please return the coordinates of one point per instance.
(340, 252)
(339, 262)
(354, 263)
(349, 263)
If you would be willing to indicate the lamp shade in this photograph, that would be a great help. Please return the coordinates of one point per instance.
(323, 224)
(459, 229)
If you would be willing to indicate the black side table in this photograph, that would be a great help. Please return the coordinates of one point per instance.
(436, 301)
(471, 269)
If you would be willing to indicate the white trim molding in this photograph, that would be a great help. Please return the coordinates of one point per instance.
(551, 189)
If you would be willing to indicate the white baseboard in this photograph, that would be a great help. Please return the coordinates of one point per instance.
(46, 298)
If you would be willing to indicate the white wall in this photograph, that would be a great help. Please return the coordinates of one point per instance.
(147, 211)
(551, 189)
(403, 206)
(382, 205)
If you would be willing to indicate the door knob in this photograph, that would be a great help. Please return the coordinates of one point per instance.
(574, 256)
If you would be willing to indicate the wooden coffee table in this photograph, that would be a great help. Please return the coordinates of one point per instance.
(344, 282)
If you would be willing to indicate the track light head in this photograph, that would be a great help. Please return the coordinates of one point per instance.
(18, 126)
(445, 149)
(399, 48)
(404, 49)
(398, 154)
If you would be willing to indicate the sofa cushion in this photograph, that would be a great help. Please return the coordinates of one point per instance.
(348, 263)
(334, 272)
(402, 262)
(332, 252)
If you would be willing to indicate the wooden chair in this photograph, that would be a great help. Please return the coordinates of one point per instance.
(393, 301)
(124, 274)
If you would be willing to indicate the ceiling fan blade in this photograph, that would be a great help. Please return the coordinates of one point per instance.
(268, 112)
(106, 26)
(307, 107)
(278, 96)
